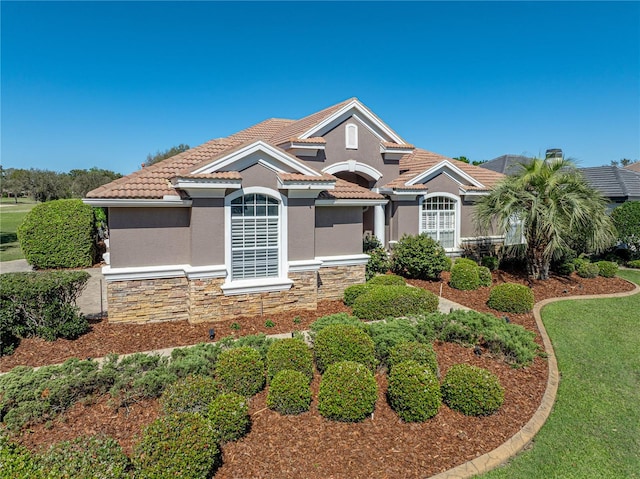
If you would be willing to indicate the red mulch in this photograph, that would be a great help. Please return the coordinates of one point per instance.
(308, 445)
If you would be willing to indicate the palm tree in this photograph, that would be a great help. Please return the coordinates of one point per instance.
(553, 204)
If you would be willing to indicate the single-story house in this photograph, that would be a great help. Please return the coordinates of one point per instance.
(272, 218)
(616, 184)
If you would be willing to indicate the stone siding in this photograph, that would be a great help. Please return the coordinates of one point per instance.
(202, 300)
(147, 300)
(333, 280)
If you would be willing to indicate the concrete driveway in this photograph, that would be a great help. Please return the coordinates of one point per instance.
(93, 300)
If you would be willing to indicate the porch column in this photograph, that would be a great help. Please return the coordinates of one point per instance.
(378, 223)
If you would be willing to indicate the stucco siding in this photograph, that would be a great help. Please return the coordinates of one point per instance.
(301, 224)
(338, 231)
(404, 219)
(258, 175)
(149, 236)
(207, 231)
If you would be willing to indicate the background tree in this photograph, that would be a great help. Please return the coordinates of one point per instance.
(623, 162)
(163, 155)
(553, 203)
(83, 181)
(626, 218)
(464, 159)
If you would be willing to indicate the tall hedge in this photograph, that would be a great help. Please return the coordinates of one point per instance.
(59, 234)
(626, 218)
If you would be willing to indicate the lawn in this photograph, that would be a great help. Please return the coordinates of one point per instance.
(594, 429)
(11, 215)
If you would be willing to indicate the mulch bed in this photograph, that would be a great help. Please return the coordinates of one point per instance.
(308, 445)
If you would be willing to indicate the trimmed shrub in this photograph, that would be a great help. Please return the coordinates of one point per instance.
(414, 391)
(17, 461)
(228, 416)
(634, 263)
(289, 392)
(565, 269)
(471, 390)
(191, 394)
(462, 260)
(180, 445)
(42, 304)
(588, 270)
(484, 275)
(59, 234)
(348, 392)
(240, 370)
(511, 298)
(626, 219)
(342, 342)
(260, 342)
(379, 262)
(490, 262)
(352, 292)
(8, 338)
(383, 302)
(86, 457)
(387, 280)
(387, 334)
(289, 353)
(420, 257)
(464, 275)
(421, 353)
(607, 269)
(338, 318)
(198, 360)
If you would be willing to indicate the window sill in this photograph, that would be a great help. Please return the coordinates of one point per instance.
(251, 286)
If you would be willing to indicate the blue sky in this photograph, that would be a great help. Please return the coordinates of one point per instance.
(103, 84)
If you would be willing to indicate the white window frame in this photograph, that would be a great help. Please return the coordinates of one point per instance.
(456, 202)
(351, 145)
(257, 285)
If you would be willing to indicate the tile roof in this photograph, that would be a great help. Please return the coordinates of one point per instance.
(314, 140)
(634, 166)
(506, 164)
(306, 178)
(614, 182)
(219, 175)
(392, 145)
(347, 190)
(421, 160)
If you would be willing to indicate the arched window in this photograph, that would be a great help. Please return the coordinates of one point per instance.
(438, 219)
(255, 237)
(351, 136)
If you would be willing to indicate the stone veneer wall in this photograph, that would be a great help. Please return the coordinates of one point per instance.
(202, 300)
(333, 280)
(146, 300)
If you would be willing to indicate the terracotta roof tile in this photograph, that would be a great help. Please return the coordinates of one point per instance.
(305, 178)
(347, 190)
(220, 175)
(318, 139)
(264, 130)
(400, 146)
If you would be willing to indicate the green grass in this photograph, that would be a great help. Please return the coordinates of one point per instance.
(594, 428)
(11, 215)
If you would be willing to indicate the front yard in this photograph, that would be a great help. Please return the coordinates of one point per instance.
(11, 215)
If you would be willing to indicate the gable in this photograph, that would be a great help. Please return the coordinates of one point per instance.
(448, 168)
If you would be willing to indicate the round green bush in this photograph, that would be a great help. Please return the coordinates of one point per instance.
(484, 275)
(343, 342)
(566, 268)
(337, 318)
(289, 353)
(468, 261)
(190, 394)
(387, 280)
(17, 461)
(414, 391)
(588, 270)
(386, 334)
(228, 416)
(98, 457)
(626, 219)
(471, 390)
(420, 257)
(490, 262)
(59, 234)
(348, 392)
(179, 445)
(383, 302)
(607, 269)
(289, 392)
(634, 264)
(511, 298)
(413, 351)
(464, 275)
(379, 262)
(352, 292)
(240, 370)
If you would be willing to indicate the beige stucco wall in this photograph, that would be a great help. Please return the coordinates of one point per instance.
(258, 175)
(149, 236)
(404, 219)
(301, 228)
(207, 231)
(338, 230)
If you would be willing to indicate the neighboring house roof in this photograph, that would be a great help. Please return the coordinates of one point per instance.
(614, 182)
(634, 166)
(155, 181)
(506, 164)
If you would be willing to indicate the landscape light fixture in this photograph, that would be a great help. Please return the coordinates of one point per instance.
(212, 334)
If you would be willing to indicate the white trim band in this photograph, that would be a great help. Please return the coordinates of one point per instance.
(163, 272)
(256, 286)
(142, 203)
(304, 265)
(343, 260)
